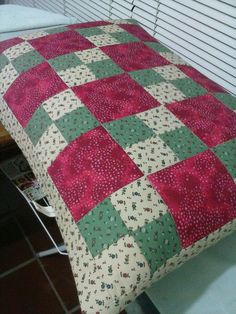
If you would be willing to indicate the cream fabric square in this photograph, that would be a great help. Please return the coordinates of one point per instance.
(103, 40)
(170, 72)
(111, 28)
(173, 58)
(62, 103)
(152, 155)
(165, 93)
(160, 120)
(33, 35)
(7, 77)
(17, 50)
(138, 203)
(49, 146)
(77, 76)
(91, 55)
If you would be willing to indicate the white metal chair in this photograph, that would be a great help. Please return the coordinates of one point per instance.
(20, 174)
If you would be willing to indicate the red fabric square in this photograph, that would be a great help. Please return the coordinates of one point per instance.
(91, 168)
(134, 56)
(54, 45)
(201, 79)
(5, 44)
(115, 97)
(30, 89)
(207, 117)
(200, 194)
(88, 24)
(138, 32)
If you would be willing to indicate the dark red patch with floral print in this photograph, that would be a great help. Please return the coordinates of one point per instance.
(54, 45)
(115, 97)
(201, 79)
(207, 117)
(30, 89)
(91, 168)
(134, 56)
(200, 194)
(138, 32)
(5, 44)
(89, 24)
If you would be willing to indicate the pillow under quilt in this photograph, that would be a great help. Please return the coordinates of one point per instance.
(135, 149)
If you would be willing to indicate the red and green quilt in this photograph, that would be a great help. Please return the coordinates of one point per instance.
(135, 149)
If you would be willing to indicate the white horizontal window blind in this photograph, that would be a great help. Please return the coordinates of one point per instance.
(202, 32)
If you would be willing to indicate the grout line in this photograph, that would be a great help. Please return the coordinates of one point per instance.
(22, 265)
(77, 307)
(42, 268)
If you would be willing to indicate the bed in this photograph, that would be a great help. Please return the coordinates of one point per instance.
(134, 148)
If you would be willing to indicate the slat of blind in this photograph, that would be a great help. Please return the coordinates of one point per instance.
(184, 32)
(217, 5)
(199, 26)
(217, 19)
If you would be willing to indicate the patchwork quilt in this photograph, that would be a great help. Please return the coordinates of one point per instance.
(134, 148)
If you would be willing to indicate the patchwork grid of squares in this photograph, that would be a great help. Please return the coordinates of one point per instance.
(153, 137)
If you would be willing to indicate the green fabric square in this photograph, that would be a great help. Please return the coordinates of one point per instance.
(129, 130)
(27, 60)
(227, 154)
(56, 30)
(227, 99)
(37, 125)
(157, 46)
(146, 77)
(101, 227)
(65, 62)
(75, 123)
(91, 31)
(124, 37)
(158, 241)
(188, 87)
(3, 61)
(104, 68)
(183, 142)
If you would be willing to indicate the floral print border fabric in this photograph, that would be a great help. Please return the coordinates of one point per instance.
(134, 148)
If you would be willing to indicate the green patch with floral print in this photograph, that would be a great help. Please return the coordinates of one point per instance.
(227, 154)
(101, 227)
(37, 125)
(91, 31)
(3, 61)
(65, 62)
(158, 241)
(146, 77)
(129, 130)
(124, 37)
(183, 142)
(157, 47)
(75, 123)
(188, 87)
(104, 68)
(27, 60)
(227, 99)
(56, 30)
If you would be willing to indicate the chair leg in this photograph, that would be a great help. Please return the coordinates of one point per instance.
(52, 251)
(56, 247)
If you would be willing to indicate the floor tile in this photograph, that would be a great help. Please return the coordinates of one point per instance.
(62, 278)
(27, 291)
(14, 248)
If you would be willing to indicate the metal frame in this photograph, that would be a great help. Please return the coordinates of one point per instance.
(61, 249)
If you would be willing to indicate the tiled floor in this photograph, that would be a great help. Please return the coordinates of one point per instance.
(30, 285)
